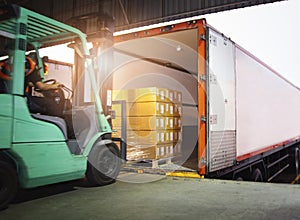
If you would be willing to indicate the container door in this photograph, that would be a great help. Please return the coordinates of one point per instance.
(221, 149)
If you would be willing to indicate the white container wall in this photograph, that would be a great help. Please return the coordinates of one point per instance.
(268, 106)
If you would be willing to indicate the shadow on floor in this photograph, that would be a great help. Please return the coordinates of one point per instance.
(25, 195)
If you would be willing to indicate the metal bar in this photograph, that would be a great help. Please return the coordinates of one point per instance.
(297, 160)
(189, 105)
(280, 171)
(277, 161)
(123, 139)
(9, 25)
(249, 166)
(250, 160)
(124, 12)
(124, 130)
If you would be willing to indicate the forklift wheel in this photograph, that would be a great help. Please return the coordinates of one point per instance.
(8, 184)
(104, 164)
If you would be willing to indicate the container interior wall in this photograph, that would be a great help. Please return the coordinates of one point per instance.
(166, 61)
(267, 106)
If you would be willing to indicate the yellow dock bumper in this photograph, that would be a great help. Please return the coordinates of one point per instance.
(185, 175)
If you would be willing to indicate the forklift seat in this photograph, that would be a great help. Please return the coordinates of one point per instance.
(59, 122)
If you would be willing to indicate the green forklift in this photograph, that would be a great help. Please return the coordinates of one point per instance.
(38, 149)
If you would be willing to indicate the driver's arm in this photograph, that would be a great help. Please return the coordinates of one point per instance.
(43, 86)
(35, 80)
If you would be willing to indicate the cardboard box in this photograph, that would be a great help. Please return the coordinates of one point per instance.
(177, 135)
(117, 108)
(136, 109)
(117, 122)
(154, 122)
(177, 110)
(152, 152)
(177, 97)
(148, 101)
(177, 123)
(150, 94)
(169, 122)
(148, 136)
(148, 109)
(118, 95)
(135, 137)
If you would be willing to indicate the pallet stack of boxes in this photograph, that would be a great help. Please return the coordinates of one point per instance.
(153, 122)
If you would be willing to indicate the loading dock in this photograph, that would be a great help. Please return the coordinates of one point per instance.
(167, 198)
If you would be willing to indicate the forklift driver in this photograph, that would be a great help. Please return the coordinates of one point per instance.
(32, 81)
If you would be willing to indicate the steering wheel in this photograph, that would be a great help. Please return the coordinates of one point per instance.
(52, 81)
(60, 98)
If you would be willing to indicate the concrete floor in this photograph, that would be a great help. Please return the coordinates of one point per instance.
(165, 198)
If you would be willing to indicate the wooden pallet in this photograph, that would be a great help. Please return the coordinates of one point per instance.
(154, 163)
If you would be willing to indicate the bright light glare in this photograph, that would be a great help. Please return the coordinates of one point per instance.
(59, 53)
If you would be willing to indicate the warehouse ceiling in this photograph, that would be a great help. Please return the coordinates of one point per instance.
(115, 15)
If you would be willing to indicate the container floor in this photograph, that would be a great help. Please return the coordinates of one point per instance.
(159, 197)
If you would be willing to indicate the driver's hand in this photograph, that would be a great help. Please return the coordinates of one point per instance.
(57, 85)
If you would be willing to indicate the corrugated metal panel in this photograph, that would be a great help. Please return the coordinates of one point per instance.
(222, 150)
(155, 11)
(133, 13)
(62, 10)
(85, 7)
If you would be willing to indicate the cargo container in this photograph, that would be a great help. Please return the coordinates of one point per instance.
(239, 115)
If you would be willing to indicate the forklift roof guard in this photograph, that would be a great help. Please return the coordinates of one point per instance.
(17, 22)
(40, 29)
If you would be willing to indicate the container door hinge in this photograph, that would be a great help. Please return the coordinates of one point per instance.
(167, 28)
(203, 118)
(203, 37)
(202, 77)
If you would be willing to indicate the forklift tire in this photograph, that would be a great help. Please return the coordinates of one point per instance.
(104, 164)
(8, 184)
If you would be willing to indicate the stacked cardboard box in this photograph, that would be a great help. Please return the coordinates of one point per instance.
(153, 121)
